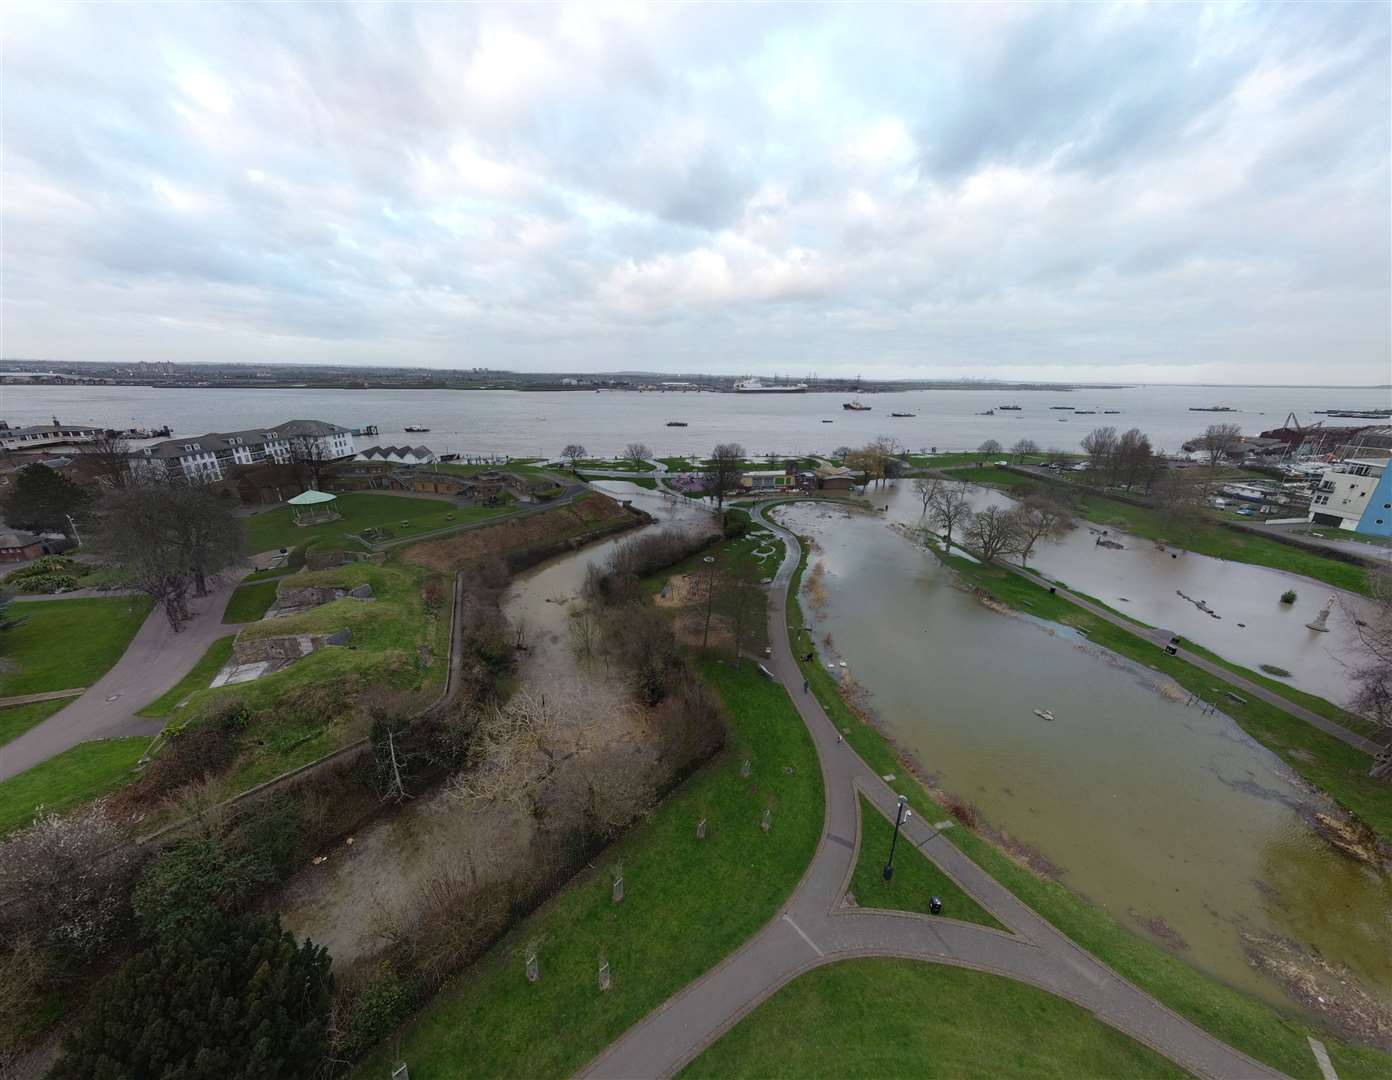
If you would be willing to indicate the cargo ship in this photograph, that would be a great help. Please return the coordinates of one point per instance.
(755, 386)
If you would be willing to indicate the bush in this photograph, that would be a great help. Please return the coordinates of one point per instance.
(1288, 597)
(46, 583)
(233, 999)
(196, 880)
(48, 564)
(635, 558)
(371, 1012)
(1272, 669)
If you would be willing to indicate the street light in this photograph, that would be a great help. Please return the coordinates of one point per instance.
(902, 815)
(709, 560)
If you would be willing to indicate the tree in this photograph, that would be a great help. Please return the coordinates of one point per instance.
(1100, 444)
(1182, 496)
(987, 449)
(229, 998)
(8, 620)
(948, 508)
(1133, 457)
(927, 490)
(992, 532)
(310, 457)
(723, 470)
(43, 500)
(1372, 677)
(1039, 518)
(637, 453)
(108, 458)
(573, 453)
(204, 530)
(1219, 441)
(1023, 447)
(739, 596)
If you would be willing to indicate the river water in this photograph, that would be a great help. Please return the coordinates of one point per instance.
(539, 424)
(1150, 808)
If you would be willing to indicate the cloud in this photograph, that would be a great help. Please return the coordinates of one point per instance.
(1192, 191)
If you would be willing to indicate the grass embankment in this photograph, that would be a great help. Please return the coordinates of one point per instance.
(1228, 1014)
(74, 776)
(687, 903)
(1321, 759)
(198, 678)
(642, 481)
(916, 879)
(17, 719)
(887, 1017)
(1204, 537)
(400, 514)
(618, 465)
(300, 711)
(249, 602)
(65, 644)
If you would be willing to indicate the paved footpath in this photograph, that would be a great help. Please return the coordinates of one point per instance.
(156, 659)
(814, 929)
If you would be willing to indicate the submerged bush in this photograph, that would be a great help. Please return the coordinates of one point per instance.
(1288, 597)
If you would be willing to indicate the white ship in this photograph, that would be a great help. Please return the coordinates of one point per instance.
(755, 386)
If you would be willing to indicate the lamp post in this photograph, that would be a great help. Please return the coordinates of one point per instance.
(709, 560)
(73, 526)
(901, 815)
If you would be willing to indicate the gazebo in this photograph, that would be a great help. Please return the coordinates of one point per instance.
(314, 508)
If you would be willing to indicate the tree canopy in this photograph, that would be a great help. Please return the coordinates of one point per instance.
(42, 500)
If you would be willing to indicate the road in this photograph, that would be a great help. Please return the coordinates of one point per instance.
(814, 928)
(155, 660)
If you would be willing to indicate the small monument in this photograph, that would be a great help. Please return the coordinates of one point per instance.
(1319, 621)
(701, 829)
(533, 972)
(604, 975)
(744, 770)
(767, 823)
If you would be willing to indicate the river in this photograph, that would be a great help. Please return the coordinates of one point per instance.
(539, 424)
(1151, 809)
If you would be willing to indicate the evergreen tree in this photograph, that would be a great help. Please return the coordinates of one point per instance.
(226, 999)
(43, 499)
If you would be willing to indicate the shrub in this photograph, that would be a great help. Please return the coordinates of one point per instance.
(194, 881)
(368, 1014)
(1288, 597)
(48, 564)
(1272, 669)
(434, 592)
(46, 583)
(235, 999)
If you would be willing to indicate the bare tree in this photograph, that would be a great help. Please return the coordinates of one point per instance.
(739, 595)
(1133, 457)
(1182, 495)
(573, 453)
(987, 449)
(1023, 447)
(926, 489)
(134, 533)
(1100, 444)
(1039, 518)
(204, 530)
(310, 458)
(948, 509)
(637, 453)
(1372, 678)
(992, 532)
(724, 469)
(108, 457)
(1219, 441)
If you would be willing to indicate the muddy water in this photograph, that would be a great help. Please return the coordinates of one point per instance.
(1144, 580)
(1149, 808)
(543, 597)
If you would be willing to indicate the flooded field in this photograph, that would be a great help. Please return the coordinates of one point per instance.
(1172, 820)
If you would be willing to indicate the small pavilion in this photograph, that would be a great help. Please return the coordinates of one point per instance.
(314, 508)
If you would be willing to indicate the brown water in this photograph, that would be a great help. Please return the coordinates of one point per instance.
(1144, 580)
(1149, 808)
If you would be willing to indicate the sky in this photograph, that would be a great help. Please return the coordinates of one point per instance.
(1128, 192)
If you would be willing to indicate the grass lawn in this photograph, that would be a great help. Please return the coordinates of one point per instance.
(1205, 538)
(65, 644)
(642, 481)
(268, 575)
(74, 776)
(249, 602)
(916, 880)
(687, 904)
(618, 465)
(197, 679)
(18, 719)
(875, 1018)
(274, 529)
(1228, 1014)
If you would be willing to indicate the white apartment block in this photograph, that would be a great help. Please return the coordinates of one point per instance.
(206, 458)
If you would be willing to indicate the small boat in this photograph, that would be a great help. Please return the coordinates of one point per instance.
(855, 406)
(828, 421)
(413, 427)
(1112, 412)
(909, 414)
(1211, 408)
(1068, 407)
(676, 423)
(1010, 408)
(1085, 412)
(988, 412)
(1043, 714)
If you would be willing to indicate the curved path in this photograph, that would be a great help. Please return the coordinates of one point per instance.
(814, 928)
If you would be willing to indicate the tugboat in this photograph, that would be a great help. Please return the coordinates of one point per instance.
(855, 406)
(413, 427)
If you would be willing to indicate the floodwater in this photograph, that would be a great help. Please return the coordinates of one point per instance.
(540, 423)
(1144, 580)
(1152, 809)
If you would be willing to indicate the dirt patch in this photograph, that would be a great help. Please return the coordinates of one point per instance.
(545, 533)
(1158, 927)
(681, 590)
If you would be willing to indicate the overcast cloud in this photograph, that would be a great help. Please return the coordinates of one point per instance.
(1159, 193)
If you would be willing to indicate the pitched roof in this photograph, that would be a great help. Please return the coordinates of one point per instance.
(13, 538)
